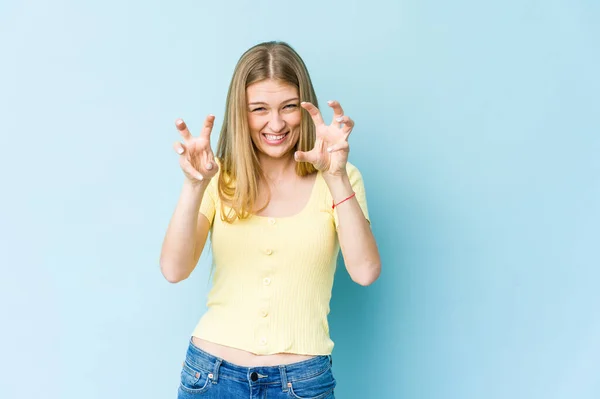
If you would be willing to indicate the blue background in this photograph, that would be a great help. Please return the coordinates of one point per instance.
(477, 135)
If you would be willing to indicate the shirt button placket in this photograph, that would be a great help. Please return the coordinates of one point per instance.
(264, 305)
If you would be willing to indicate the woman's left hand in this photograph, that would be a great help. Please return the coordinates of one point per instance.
(331, 149)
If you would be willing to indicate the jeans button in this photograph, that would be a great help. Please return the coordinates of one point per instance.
(254, 376)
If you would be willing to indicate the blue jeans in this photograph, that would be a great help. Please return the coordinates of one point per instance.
(207, 376)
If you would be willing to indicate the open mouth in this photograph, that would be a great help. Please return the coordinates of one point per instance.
(275, 139)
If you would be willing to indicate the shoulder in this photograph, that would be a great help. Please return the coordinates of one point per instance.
(354, 175)
(353, 172)
(351, 168)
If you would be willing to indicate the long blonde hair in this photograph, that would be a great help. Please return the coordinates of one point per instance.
(240, 170)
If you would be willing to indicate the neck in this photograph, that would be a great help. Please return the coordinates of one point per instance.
(277, 169)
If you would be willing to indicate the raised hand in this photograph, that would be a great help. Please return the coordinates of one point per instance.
(330, 153)
(195, 154)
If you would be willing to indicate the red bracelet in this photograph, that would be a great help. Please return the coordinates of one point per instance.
(346, 199)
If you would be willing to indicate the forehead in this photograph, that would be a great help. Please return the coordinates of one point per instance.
(271, 91)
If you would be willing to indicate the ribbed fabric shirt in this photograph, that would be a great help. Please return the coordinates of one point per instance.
(273, 276)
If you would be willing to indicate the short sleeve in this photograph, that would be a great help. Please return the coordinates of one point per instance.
(356, 181)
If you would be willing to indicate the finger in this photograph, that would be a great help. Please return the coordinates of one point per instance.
(209, 163)
(344, 146)
(207, 128)
(182, 127)
(305, 156)
(314, 113)
(189, 169)
(348, 124)
(338, 112)
(179, 148)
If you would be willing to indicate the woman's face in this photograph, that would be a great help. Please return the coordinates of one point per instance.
(274, 116)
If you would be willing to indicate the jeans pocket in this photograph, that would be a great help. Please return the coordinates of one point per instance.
(194, 380)
(320, 386)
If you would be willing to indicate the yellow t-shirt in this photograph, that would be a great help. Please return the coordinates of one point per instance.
(273, 275)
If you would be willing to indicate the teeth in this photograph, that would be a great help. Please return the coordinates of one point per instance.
(273, 137)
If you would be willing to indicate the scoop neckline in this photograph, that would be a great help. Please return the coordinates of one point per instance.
(304, 208)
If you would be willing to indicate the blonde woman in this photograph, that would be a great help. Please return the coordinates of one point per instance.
(279, 200)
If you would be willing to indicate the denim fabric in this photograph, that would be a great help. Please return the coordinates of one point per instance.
(206, 376)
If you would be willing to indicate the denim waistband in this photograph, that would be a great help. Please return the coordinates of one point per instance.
(262, 375)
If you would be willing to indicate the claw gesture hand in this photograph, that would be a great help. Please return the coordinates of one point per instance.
(195, 154)
(331, 149)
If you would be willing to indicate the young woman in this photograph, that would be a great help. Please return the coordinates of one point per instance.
(280, 199)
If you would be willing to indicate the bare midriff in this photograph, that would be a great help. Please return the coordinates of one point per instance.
(245, 358)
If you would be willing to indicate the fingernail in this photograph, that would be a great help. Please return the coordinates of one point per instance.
(330, 102)
(329, 149)
(180, 150)
(303, 102)
(180, 124)
(200, 177)
(209, 166)
(341, 118)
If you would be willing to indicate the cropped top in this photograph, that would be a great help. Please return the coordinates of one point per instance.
(273, 276)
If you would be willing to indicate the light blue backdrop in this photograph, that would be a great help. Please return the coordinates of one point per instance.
(477, 134)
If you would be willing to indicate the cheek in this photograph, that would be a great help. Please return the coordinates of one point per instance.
(294, 120)
(255, 123)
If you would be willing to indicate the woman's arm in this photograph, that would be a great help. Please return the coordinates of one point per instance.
(186, 234)
(330, 155)
(188, 229)
(357, 242)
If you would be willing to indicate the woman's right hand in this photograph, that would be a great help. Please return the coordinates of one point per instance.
(195, 155)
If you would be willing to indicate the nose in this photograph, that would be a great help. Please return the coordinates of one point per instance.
(276, 123)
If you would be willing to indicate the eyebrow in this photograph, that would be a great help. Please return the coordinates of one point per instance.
(283, 102)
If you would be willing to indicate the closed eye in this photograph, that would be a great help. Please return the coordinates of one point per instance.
(260, 109)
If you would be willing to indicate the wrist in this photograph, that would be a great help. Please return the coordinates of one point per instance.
(336, 178)
(195, 187)
(339, 187)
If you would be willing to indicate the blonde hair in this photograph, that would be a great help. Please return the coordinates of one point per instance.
(240, 170)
